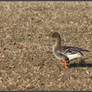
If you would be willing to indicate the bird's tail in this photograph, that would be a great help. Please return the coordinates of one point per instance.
(86, 50)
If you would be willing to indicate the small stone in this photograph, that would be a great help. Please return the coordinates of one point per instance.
(87, 72)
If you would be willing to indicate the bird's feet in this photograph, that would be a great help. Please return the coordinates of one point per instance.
(65, 63)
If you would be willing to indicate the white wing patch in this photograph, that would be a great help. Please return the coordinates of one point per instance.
(73, 56)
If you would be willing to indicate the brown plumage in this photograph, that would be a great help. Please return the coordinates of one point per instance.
(65, 53)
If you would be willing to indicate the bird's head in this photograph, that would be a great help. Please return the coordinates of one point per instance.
(55, 35)
(56, 38)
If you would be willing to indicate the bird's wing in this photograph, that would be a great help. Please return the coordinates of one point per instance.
(62, 54)
(72, 50)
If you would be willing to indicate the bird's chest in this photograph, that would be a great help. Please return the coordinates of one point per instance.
(56, 54)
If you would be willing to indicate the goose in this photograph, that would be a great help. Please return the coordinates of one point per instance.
(65, 53)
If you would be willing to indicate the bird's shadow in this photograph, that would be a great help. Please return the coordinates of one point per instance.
(81, 64)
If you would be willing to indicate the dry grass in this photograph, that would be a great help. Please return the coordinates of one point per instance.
(26, 59)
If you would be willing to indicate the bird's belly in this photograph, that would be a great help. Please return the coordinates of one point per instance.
(73, 56)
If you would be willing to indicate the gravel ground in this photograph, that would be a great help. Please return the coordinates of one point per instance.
(26, 58)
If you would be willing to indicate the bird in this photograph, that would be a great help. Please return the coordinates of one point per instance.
(65, 53)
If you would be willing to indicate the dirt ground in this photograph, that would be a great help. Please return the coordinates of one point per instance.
(26, 58)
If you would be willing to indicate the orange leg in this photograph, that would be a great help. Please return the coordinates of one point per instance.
(61, 62)
(65, 63)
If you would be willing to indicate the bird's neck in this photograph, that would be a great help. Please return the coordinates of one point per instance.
(58, 42)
